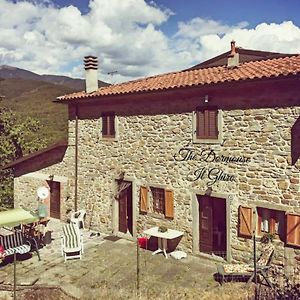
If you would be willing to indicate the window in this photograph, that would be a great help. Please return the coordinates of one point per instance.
(108, 125)
(285, 226)
(207, 124)
(271, 221)
(158, 197)
(157, 200)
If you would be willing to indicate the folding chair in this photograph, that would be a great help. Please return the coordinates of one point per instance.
(78, 218)
(71, 242)
(247, 270)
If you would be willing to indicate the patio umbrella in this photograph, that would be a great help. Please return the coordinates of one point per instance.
(17, 216)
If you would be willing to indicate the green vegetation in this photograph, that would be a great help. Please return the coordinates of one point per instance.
(32, 98)
(17, 138)
(29, 121)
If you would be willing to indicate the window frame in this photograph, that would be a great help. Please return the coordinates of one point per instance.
(273, 217)
(167, 207)
(219, 124)
(158, 203)
(114, 135)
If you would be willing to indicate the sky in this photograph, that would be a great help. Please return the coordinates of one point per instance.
(138, 38)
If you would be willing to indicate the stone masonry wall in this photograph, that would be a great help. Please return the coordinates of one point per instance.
(145, 151)
(25, 186)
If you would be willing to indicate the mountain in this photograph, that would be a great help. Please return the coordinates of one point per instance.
(74, 83)
(33, 98)
(29, 94)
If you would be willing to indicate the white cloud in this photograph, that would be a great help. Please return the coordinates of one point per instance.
(214, 38)
(199, 27)
(126, 35)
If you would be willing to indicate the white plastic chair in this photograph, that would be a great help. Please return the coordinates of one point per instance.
(78, 217)
(71, 242)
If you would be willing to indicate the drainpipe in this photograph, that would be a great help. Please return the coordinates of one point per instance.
(76, 157)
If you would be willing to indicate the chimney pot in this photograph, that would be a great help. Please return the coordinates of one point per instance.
(232, 48)
(233, 57)
(91, 73)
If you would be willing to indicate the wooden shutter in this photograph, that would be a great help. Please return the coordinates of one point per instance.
(245, 221)
(108, 124)
(200, 124)
(143, 199)
(104, 125)
(111, 125)
(293, 230)
(207, 124)
(212, 124)
(169, 204)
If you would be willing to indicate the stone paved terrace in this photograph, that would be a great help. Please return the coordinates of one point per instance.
(111, 265)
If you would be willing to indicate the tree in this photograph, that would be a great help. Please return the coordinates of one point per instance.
(17, 138)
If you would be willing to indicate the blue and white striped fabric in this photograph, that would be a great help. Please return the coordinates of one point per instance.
(72, 236)
(14, 243)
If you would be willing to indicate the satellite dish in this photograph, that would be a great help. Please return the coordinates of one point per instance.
(42, 192)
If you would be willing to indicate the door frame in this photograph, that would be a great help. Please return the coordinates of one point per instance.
(115, 210)
(50, 184)
(195, 224)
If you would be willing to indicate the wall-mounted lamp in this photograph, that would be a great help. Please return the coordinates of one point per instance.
(206, 99)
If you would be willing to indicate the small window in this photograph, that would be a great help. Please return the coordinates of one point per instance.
(157, 200)
(158, 196)
(108, 125)
(271, 221)
(207, 123)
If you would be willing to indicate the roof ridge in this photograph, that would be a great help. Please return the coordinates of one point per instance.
(269, 67)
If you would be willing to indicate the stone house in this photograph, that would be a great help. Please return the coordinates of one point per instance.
(212, 151)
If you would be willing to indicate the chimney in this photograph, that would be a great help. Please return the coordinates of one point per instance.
(233, 57)
(91, 73)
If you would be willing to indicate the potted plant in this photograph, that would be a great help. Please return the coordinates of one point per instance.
(267, 238)
(162, 229)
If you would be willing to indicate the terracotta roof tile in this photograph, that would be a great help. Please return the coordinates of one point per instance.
(249, 70)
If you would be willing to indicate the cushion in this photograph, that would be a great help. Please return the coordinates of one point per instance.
(178, 254)
(71, 236)
(11, 240)
(266, 254)
(237, 268)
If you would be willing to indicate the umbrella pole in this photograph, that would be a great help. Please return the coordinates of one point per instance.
(15, 277)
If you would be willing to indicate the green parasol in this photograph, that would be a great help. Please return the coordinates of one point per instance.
(17, 216)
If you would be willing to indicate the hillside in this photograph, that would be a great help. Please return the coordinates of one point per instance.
(75, 84)
(35, 99)
(30, 94)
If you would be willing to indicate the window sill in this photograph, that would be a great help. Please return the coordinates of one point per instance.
(157, 216)
(109, 139)
(276, 240)
(207, 141)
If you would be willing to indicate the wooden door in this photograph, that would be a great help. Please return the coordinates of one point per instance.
(55, 200)
(129, 209)
(205, 224)
(123, 211)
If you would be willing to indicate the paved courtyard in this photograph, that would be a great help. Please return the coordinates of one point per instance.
(110, 266)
